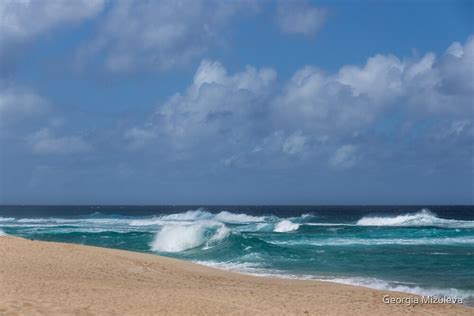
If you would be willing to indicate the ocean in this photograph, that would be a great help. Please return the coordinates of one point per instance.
(425, 250)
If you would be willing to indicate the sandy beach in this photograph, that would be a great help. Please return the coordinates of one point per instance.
(46, 278)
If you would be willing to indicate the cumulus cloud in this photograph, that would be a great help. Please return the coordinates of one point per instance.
(250, 116)
(457, 68)
(380, 79)
(355, 96)
(157, 35)
(299, 17)
(217, 103)
(21, 21)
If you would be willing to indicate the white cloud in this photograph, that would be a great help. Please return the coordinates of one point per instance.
(380, 79)
(457, 68)
(295, 144)
(217, 103)
(295, 17)
(19, 104)
(28, 118)
(44, 142)
(23, 20)
(445, 84)
(344, 157)
(355, 96)
(249, 116)
(157, 35)
(315, 101)
(138, 137)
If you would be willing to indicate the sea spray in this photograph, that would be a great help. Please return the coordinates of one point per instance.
(286, 226)
(422, 218)
(175, 238)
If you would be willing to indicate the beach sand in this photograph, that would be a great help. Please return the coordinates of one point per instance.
(46, 278)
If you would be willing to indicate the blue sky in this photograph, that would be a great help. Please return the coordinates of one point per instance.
(236, 102)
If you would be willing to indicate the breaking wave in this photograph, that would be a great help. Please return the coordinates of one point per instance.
(285, 226)
(176, 238)
(422, 218)
(199, 214)
(378, 241)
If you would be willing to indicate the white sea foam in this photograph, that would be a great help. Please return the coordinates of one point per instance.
(34, 220)
(197, 215)
(176, 238)
(2, 233)
(232, 218)
(191, 215)
(156, 221)
(285, 226)
(422, 218)
(378, 241)
(373, 283)
(328, 224)
(378, 284)
(252, 268)
(6, 219)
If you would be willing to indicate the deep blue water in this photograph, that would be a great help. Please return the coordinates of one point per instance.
(425, 250)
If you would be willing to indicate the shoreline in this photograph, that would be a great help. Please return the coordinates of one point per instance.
(424, 297)
(39, 277)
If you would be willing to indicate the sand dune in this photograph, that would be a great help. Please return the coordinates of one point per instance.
(43, 278)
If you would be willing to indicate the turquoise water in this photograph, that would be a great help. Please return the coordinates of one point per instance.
(416, 250)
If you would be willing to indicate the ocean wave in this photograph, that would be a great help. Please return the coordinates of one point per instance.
(232, 218)
(2, 233)
(252, 268)
(285, 226)
(176, 238)
(422, 218)
(6, 219)
(197, 215)
(75, 221)
(376, 241)
(372, 283)
(157, 221)
(329, 224)
(191, 215)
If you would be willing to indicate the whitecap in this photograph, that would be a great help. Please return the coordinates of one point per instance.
(285, 226)
(191, 215)
(176, 238)
(233, 218)
(377, 241)
(422, 218)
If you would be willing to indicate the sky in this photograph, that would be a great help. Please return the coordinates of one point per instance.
(236, 102)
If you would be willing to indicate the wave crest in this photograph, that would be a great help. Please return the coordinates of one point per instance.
(176, 238)
(422, 218)
(285, 226)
